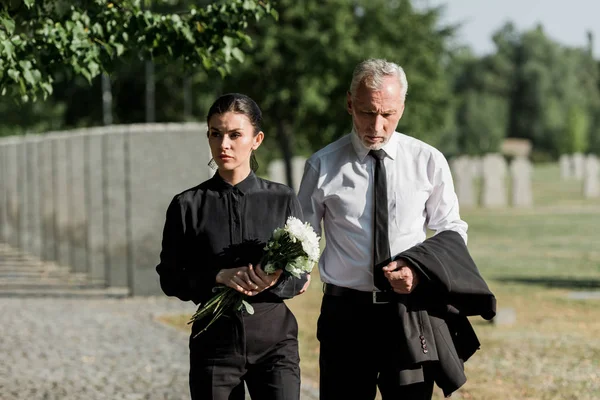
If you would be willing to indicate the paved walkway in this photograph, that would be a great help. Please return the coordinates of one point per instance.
(109, 349)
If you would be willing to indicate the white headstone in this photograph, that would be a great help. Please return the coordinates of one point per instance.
(520, 170)
(591, 182)
(566, 166)
(297, 171)
(494, 185)
(463, 173)
(276, 171)
(578, 165)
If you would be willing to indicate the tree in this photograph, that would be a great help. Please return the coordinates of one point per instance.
(531, 87)
(301, 67)
(39, 39)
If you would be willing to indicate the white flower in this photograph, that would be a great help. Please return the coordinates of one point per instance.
(304, 233)
(294, 248)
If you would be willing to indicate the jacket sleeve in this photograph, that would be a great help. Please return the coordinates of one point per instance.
(172, 268)
(289, 286)
(452, 277)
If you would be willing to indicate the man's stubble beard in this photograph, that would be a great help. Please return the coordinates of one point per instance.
(376, 146)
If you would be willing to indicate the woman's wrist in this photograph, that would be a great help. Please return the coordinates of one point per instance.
(219, 277)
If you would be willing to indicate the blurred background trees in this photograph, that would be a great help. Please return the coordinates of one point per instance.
(298, 68)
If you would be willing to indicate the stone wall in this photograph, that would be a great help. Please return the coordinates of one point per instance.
(95, 199)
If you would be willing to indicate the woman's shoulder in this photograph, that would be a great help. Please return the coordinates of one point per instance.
(274, 187)
(191, 194)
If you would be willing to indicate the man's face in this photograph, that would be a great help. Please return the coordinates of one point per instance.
(375, 113)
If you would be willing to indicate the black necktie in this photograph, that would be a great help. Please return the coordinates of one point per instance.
(381, 253)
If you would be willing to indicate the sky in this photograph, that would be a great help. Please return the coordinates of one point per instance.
(564, 21)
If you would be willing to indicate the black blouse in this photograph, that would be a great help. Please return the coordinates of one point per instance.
(216, 225)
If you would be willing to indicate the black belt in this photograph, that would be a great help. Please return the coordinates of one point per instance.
(358, 295)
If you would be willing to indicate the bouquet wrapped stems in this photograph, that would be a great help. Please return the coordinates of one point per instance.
(294, 249)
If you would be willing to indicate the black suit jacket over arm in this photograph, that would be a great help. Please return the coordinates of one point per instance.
(451, 289)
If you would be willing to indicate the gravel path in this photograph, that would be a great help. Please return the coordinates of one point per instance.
(63, 349)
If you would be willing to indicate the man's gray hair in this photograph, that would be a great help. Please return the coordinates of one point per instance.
(372, 72)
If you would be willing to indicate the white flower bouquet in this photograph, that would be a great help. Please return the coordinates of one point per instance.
(294, 249)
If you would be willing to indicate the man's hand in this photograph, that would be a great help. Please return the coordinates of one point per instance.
(247, 280)
(402, 277)
(305, 285)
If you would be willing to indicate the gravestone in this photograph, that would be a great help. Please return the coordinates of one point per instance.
(591, 182)
(477, 167)
(77, 228)
(163, 160)
(47, 175)
(116, 207)
(62, 199)
(96, 142)
(14, 208)
(578, 161)
(3, 191)
(297, 171)
(32, 221)
(505, 316)
(463, 172)
(276, 171)
(566, 170)
(522, 195)
(494, 184)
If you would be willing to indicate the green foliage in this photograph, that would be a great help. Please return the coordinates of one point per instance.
(577, 128)
(531, 87)
(39, 39)
(301, 66)
(482, 122)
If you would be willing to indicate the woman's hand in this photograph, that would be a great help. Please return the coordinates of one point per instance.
(261, 279)
(305, 287)
(247, 280)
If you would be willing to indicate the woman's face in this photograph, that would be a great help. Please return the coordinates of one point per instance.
(231, 138)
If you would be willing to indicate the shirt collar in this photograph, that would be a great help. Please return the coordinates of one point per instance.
(390, 148)
(222, 186)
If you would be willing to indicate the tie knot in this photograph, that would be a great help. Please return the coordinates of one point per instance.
(377, 154)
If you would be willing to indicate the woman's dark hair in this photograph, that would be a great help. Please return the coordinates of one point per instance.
(241, 104)
(237, 103)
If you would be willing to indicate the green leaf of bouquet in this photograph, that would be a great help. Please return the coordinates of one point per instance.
(248, 306)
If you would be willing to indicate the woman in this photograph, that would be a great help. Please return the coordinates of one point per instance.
(214, 235)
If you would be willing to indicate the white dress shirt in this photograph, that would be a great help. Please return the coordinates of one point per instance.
(337, 188)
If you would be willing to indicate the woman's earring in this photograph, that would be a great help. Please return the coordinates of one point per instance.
(253, 162)
(212, 164)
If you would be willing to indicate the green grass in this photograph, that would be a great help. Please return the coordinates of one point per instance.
(532, 259)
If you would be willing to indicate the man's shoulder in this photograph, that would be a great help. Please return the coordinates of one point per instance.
(340, 146)
(417, 147)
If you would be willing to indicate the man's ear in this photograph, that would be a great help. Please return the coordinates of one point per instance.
(349, 102)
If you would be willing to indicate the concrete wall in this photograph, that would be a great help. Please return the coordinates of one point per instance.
(95, 199)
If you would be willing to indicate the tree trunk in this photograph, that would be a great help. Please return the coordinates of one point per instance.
(150, 91)
(107, 100)
(187, 98)
(286, 145)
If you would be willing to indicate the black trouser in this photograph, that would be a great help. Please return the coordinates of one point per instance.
(259, 349)
(359, 352)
